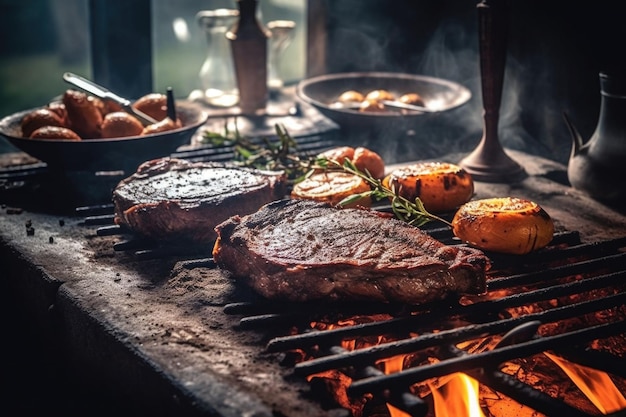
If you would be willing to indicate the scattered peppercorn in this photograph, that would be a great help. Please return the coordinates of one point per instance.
(61, 222)
(51, 239)
(30, 231)
(28, 224)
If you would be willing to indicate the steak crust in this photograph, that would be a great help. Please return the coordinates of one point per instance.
(176, 200)
(299, 250)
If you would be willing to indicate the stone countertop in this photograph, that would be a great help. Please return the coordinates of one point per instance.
(155, 328)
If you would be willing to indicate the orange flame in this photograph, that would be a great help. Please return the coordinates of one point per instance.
(390, 366)
(458, 397)
(596, 385)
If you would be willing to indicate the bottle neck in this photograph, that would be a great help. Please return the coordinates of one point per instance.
(247, 10)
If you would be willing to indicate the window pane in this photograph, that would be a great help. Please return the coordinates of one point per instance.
(41, 40)
(180, 45)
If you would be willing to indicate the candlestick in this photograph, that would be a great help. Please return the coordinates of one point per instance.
(488, 162)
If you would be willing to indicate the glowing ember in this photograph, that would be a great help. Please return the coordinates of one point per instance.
(457, 398)
(596, 385)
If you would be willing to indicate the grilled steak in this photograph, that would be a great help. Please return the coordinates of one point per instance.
(173, 199)
(300, 250)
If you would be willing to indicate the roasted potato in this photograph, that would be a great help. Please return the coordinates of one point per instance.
(54, 132)
(411, 98)
(120, 124)
(351, 96)
(83, 113)
(377, 95)
(507, 224)
(39, 118)
(162, 126)
(441, 186)
(372, 106)
(59, 108)
(153, 104)
(332, 187)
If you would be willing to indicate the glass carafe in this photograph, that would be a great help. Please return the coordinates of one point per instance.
(217, 74)
(282, 32)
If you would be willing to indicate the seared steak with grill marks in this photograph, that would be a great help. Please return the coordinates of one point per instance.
(174, 199)
(299, 250)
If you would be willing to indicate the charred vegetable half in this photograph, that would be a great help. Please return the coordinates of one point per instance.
(505, 224)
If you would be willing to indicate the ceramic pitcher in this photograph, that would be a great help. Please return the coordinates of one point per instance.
(598, 166)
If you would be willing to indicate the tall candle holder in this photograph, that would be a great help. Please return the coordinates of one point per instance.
(282, 32)
(489, 162)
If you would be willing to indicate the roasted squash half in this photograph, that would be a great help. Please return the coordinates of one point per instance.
(505, 224)
(332, 187)
(441, 186)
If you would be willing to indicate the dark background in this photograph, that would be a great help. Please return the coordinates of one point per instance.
(555, 52)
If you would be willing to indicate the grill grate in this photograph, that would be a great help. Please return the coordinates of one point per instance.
(535, 278)
(566, 270)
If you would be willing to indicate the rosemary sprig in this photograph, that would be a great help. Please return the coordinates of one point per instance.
(412, 212)
(272, 155)
(281, 156)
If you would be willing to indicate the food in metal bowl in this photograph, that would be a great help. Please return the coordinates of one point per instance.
(54, 132)
(350, 96)
(62, 149)
(438, 96)
(89, 117)
(40, 118)
(118, 124)
(413, 99)
(377, 101)
(152, 104)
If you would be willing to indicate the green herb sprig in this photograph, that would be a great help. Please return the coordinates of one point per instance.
(272, 155)
(281, 155)
(412, 212)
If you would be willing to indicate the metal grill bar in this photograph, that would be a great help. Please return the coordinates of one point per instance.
(482, 308)
(404, 400)
(369, 355)
(534, 259)
(515, 389)
(23, 171)
(608, 262)
(405, 378)
(226, 153)
(595, 359)
(585, 267)
(524, 394)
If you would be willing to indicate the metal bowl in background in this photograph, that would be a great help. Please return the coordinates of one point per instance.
(111, 154)
(439, 96)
